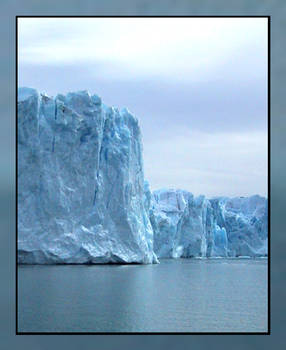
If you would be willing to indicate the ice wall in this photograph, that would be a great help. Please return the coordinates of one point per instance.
(188, 226)
(80, 182)
(245, 220)
(82, 196)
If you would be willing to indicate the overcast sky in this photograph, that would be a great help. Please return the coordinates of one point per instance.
(197, 85)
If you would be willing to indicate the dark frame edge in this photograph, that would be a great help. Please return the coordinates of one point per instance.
(269, 169)
(16, 159)
(17, 332)
(143, 333)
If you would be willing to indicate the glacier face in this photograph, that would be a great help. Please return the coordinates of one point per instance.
(82, 196)
(188, 226)
(80, 182)
(245, 220)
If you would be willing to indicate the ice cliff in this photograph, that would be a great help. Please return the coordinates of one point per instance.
(188, 226)
(80, 182)
(82, 196)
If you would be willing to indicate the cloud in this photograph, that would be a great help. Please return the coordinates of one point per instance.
(205, 163)
(168, 46)
(197, 85)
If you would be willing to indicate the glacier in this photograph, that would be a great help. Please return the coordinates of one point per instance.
(188, 226)
(80, 182)
(82, 197)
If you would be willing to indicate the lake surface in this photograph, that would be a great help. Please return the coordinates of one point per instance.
(184, 295)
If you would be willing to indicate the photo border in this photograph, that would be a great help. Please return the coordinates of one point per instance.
(268, 332)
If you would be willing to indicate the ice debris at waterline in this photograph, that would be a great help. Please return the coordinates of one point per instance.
(82, 196)
(80, 182)
(188, 226)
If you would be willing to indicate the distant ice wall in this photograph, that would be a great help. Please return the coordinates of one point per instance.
(188, 226)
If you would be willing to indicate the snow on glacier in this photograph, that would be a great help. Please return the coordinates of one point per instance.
(80, 182)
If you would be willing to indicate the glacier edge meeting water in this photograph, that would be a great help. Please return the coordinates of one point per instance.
(82, 198)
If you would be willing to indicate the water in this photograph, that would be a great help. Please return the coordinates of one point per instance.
(184, 295)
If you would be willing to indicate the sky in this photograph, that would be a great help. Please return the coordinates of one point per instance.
(198, 87)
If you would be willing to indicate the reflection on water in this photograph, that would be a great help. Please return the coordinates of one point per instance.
(182, 295)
